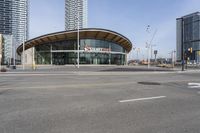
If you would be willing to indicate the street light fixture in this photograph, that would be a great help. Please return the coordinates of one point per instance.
(149, 44)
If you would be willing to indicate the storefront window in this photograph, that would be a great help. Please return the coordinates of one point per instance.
(91, 52)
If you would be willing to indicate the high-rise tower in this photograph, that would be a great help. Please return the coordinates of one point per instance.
(5, 16)
(75, 10)
(188, 37)
(14, 19)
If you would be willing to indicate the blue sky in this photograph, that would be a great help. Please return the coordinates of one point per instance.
(128, 17)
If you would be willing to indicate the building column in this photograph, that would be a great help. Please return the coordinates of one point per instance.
(51, 55)
(126, 59)
(109, 60)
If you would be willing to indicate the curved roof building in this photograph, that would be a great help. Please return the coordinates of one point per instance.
(96, 46)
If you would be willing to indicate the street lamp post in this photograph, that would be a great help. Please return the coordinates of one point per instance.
(148, 53)
(77, 35)
(11, 50)
(174, 57)
(152, 50)
(138, 51)
(149, 45)
(182, 49)
(33, 58)
(148, 48)
(1, 56)
(1, 49)
(23, 53)
(14, 53)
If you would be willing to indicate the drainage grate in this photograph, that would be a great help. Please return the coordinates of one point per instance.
(149, 83)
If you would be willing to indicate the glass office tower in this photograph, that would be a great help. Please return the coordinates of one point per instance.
(73, 9)
(14, 19)
(20, 20)
(5, 16)
(188, 33)
(6, 52)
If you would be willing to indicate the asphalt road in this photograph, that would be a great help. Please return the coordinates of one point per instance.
(100, 102)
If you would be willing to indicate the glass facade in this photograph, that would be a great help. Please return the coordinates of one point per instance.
(91, 52)
(7, 49)
(188, 27)
(14, 19)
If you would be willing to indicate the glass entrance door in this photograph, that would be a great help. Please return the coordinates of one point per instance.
(95, 60)
(63, 58)
(58, 58)
(197, 57)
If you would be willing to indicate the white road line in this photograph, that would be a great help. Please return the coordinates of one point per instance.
(193, 85)
(142, 99)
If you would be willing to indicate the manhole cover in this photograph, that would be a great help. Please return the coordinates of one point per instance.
(149, 83)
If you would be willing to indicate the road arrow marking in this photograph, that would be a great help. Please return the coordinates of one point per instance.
(193, 85)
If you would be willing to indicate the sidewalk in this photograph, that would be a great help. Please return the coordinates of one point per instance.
(95, 68)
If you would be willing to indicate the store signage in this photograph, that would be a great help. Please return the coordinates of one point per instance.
(92, 49)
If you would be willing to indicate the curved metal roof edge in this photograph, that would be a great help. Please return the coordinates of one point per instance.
(83, 29)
